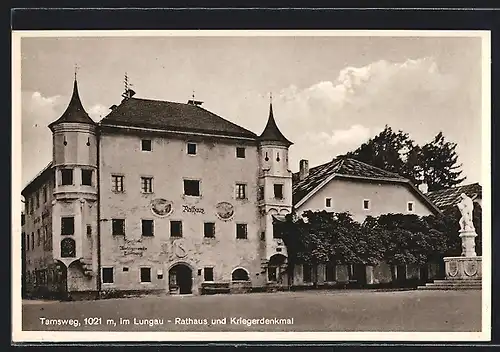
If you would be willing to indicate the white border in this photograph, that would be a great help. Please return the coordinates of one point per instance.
(37, 336)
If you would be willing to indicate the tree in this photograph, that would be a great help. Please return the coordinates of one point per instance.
(388, 150)
(439, 164)
(435, 163)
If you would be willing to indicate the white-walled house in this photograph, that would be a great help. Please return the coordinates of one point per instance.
(348, 185)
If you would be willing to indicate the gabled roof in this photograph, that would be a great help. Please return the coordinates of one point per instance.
(75, 111)
(271, 132)
(171, 116)
(320, 175)
(449, 197)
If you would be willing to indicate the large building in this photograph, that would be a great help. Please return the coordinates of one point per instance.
(348, 185)
(156, 197)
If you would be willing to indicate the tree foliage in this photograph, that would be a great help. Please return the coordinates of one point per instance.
(435, 163)
(397, 239)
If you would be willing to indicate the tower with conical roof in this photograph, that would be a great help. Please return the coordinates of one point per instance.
(74, 211)
(275, 195)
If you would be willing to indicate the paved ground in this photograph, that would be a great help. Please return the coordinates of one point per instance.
(344, 310)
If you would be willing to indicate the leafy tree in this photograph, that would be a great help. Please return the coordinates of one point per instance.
(388, 150)
(435, 163)
(439, 163)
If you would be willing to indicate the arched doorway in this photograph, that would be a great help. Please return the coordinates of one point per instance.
(180, 279)
(277, 270)
(60, 279)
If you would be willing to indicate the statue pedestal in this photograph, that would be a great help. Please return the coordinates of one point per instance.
(468, 243)
(468, 266)
(463, 268)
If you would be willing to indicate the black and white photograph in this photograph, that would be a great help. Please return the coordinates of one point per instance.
(251, 185)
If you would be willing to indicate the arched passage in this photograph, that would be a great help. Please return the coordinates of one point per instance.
(180, 278)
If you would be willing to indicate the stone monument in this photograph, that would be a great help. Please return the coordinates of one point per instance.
(468, 265)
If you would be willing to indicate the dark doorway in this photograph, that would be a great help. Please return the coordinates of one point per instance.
(181, 279)
(359, 274)
(61, 280)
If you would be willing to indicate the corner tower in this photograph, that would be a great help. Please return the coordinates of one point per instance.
(275, 181)
(74, 211)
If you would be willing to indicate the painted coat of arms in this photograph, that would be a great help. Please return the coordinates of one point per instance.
(161, 207)
(224, 211)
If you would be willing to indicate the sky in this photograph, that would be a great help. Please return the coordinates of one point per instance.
(330, 94)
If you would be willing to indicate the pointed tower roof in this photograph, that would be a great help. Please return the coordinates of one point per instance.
(271, 132)
(75, 111)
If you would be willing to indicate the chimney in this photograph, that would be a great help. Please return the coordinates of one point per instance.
(304, 169)
(423, 187)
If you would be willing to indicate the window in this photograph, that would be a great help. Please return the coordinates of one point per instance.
(241, 231)
(66, 177)
(208, 274)
(32, 240)
(240, 275)
(241, 191)
(240, 152)
(89, 230)
(191, 148)
(175, 228)
(330, 272)
(125, 269)
(192, 188)
(45, 196)
(328, 202)
(159, 274)
(107, 276)
(68, 248)
(118, 227)
(87, 177)
(27, 242)
(117, 183)
(278, 191)
(209, 230)
(260, 195)
(272, 273)
(146, 145)
(147, 227)
(277, 231)
(37, 197)
(366, 204)
(145, 274)
(67, 225)
(147, 184)
(410, 207)
(307, 273)
(38, 238)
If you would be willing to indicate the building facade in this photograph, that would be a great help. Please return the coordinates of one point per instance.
(156, 197)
